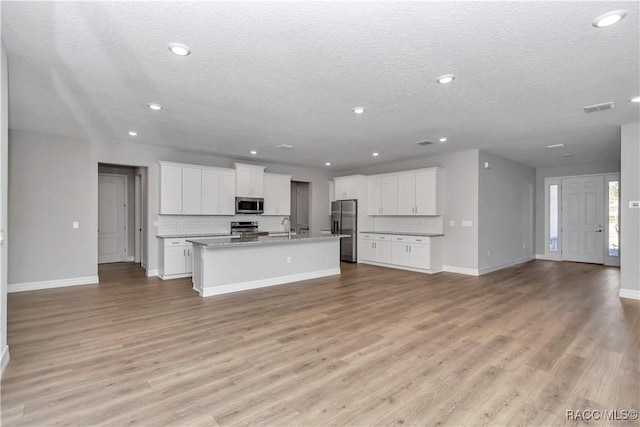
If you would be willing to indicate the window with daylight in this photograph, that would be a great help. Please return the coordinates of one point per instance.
(614, 219)
(553, 218)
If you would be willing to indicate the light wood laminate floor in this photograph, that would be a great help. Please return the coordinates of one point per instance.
(373, 346)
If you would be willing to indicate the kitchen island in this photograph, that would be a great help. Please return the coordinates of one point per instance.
(223, 266)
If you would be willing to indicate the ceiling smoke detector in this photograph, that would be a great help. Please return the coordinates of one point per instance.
(598, 107)
(425, 142)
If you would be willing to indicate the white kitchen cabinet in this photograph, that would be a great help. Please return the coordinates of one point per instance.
(428, 192)
(191, 191)
(177, 259)
(170, 189)
(349, 187)
(415, 253)
(249, 180)
(407, 194)
(277, 194)
(383, 195)
(218, 191)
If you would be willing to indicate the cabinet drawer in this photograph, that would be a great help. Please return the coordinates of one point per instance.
(168, 243)
(412, 239)
(367, 236)
(382, 237)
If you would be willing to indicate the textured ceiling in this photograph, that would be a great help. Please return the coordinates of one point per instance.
(267, 73)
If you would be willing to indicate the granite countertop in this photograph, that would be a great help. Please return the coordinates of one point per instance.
(187, 235)
(264, 240)
(403, 233)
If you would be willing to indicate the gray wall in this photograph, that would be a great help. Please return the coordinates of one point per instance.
(630, 218)
(62, 175)
(130, 173)
(542, 173)
(506, 210)
(460, 201)
(4, 138)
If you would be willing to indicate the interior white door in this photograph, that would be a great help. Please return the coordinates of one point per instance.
(112, 218)
(583, 219)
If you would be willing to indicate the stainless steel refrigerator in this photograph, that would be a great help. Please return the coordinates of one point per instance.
(344, 220)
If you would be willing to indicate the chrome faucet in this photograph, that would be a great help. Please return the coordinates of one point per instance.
(286, 222)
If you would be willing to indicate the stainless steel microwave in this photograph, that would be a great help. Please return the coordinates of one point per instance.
(249, 205)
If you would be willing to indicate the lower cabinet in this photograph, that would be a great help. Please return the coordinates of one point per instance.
(410, 252)
(177, 258)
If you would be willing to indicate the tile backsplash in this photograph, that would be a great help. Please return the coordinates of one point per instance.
(418, 224)
(192, 224)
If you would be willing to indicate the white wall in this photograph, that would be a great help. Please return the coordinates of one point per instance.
(570, 170)
(630, 218)
(460, 202)
(69, 170)
(506, 210)
(4, 138)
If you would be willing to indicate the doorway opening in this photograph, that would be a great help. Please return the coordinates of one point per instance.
(300, 206)
(582, 219)
(121, 214)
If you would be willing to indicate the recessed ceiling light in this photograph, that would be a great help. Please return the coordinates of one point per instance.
(327, 164)
(635, 99)
(154, 106)
(376, 154)
(359, 110)
(133, 133)
(179, 49)
(446, 78)
(609, 18)
(443, 139)
(556, 146)
(254, 152)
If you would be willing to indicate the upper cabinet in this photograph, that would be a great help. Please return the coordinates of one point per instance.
(349, 187)
(249, 180)
(408, 193)
(196, 190)
(277, 194)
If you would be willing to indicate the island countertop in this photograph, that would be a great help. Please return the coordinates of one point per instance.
(404, 233)
(264, 240)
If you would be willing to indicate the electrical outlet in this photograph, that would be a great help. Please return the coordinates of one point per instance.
(288, 260)
(75, 224)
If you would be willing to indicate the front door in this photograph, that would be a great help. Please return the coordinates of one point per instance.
(583, 219)
(112, 227)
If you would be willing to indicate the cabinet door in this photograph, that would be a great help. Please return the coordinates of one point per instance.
(383, 252)
(257, 182)
(389, 195)
(188, 260)
(426, 196)
(341, 189)
(210, 192)
(226, 192)
(174, 260)
(367, 250)
(407, 194)
(419, 256)
(353, 189)
(374, 203)
(243, 182)
(191, 191)
(170, 189)
(400, 253)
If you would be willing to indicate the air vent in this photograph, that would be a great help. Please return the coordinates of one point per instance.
(598, 107)
(284, 146)
(425, 142)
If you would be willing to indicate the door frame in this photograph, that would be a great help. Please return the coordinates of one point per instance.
(557, 256)
(126, 212)
(138, 219)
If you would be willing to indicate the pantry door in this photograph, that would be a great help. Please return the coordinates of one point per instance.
(112, 218)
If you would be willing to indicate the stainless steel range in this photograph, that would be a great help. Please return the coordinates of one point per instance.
(246, 229)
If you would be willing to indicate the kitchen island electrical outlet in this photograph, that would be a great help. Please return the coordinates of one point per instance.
(76, 224)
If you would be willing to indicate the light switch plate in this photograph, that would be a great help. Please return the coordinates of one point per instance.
(76, 224)
(1, 237)
(634, 204)
(155, 223)
(467, 223)
(452, 223)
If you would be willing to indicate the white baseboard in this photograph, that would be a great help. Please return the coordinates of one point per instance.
(263, 283)
(400, 267)
(175, 276)
(5, 359)
(629, 293)
(49, 284)
(152, 273)
(460, 270)
(130, 259)
(496, 267)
